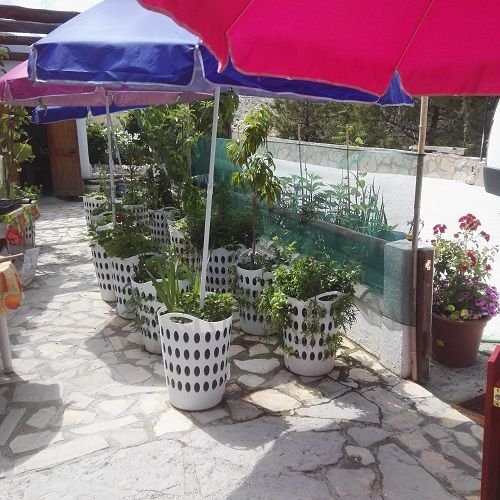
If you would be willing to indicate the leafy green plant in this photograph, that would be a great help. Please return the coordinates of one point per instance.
(127, 239)
(14, 146)
(98, 143)
(256, 173)
(26, 191)
(304, 279)
(165, 277)
(217, 306)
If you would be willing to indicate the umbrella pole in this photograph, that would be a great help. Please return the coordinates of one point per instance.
(422, 132)
(210, 191)
(111, 162)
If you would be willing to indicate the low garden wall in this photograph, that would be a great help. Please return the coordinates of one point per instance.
(377, 160)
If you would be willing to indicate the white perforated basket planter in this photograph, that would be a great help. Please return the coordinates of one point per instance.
(195, 357)
(159, 226)
(185, 250)
(251, 283)
(310, 355)
(218, 268)
(104, 272)
(29, 234)
(123, 270)
(147, 313)
(139, 212)
(90, 204)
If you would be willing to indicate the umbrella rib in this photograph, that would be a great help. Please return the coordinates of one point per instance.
(431, 2)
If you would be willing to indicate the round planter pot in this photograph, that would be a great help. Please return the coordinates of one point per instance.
(456, 343)
(104, 272)
(159, 226)
(252, 282)
(219, 264)
(139, 212)
(310, 358)
(123, 270)
(186, 251)
(147, 313)
(195, 356)
(89, 204)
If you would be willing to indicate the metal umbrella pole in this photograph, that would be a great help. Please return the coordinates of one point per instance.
(111, 161)
(422, 133)
(210, 191)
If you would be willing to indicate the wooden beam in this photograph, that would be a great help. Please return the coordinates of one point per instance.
(35, 15)
(12, 26)
(17, 56)
(8, 39)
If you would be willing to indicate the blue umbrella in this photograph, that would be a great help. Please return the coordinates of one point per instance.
(119, 42)
(50, 114)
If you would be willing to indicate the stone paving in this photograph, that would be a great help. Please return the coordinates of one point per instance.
(86, 413)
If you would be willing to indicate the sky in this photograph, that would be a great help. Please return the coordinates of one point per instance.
(73, 5)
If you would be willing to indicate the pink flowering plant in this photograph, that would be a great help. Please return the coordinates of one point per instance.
(462, 267)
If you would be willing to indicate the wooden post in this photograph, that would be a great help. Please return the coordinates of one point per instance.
(490, 479)
(416, 359)
(423, 324)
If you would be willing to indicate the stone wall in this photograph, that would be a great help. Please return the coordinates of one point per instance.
(377, 160)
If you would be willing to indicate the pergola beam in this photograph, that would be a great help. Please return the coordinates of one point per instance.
(35, 15)
(14, 26)
(10, 39)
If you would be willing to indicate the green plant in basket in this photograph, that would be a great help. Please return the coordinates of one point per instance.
(256, 174)
(127, 239)
(304, 279)
(217, 306)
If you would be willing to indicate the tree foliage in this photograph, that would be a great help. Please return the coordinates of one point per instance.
(452, 121)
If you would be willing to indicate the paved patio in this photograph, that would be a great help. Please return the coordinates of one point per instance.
(86, 413)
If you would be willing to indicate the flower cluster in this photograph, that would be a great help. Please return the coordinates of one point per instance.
(462, 266)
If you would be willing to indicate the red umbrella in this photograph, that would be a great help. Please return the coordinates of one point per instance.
(437, 46)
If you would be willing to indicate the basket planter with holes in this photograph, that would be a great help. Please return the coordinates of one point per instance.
(186, 251)
(90, 204)
(310, 357)
(147, 313)
(123, 270)
(104, 272)
(218, 268)
(251, 283)
(139, 212)
(159, 226)
(195, 357)
(29, 234)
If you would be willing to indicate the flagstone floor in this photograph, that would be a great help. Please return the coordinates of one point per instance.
(86, 415)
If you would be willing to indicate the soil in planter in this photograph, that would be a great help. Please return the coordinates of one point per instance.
(473, 409)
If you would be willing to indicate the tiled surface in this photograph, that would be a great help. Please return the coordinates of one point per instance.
(86, 413)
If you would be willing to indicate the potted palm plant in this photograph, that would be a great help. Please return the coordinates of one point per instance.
(463, 301)
(311, 302)
(145, 301)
